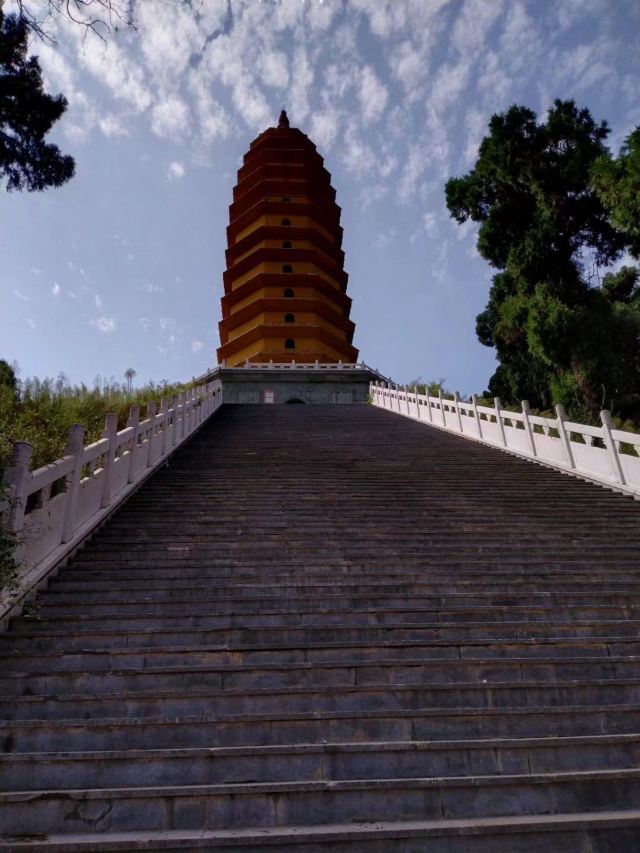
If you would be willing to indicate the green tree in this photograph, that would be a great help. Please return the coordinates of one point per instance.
(8, 378)
(560, 332)
(27, 113)
(617, 183)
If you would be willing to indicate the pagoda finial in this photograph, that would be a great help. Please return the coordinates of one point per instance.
(283, 121)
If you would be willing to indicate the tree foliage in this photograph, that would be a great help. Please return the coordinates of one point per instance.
(27, 114)
(562, 333)
(617, 183)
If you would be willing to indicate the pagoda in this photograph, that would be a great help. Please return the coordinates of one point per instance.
(285, 286)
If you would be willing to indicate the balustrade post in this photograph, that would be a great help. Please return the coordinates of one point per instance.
(151, 417)
(133, 421)
(16, 479)
(197, 407)
(75, 448)
(442, 415)
(612, 450)
(456, 400)
(429, 411)
(109, 432)
(164, 411)
(476, 414)
(526, 411)
(190, 411)
(564, 436)
(498, 407)
(175, 402)
(406, 399)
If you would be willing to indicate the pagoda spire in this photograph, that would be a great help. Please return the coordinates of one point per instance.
(283, 121)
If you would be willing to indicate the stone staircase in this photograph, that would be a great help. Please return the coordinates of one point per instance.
(329, 628)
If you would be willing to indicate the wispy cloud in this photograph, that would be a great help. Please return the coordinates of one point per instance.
(175, 170)
(106, 325)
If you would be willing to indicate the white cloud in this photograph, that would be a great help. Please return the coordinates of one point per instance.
(175, 170)
(98, 301)
(21, 296)
(358, 157)
(167, 324)
(169, 35)
(111, 126)
(145, 322)
(196, 346)
(117, 71)
(273, 69)
(324, 128)
(171, 118)
(473, 25)
(372, 95)
(302, 75)
(31, 323)
(151, 288)
(55, 288)
(414, 167)
(104, 324)
(430, 223)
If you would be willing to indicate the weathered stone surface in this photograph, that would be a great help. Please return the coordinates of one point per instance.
(329, 628)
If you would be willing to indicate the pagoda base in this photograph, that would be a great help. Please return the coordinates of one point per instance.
(294, 383)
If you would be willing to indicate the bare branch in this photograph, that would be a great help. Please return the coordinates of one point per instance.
(101, 17)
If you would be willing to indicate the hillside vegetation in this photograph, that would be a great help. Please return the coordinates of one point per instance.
(41, 411)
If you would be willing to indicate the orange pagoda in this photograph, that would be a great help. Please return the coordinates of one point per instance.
(285, 286)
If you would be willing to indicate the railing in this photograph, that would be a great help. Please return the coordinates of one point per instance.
(51, 510)
(293, 365)
(601, 453)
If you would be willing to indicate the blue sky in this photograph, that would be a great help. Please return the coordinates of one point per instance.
(123, 266)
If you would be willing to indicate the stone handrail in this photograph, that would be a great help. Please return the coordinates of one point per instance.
(592, 452)
(53, 509)
(212, 373)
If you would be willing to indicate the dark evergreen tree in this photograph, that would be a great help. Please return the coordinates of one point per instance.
(617, 182)
(8, 378)
(561, 334)
(27, 113)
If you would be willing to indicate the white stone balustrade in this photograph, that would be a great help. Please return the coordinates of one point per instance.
(592, 452)
(53, 509)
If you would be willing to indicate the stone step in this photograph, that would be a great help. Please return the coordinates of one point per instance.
(179, 559)
(307, 762)
(207, 601)
(571, 651)
(102, 578)
(289, 633)
(30, 640)
(311, 802)
(317, 674)
(367, 616)
(596, 832)
(286, 728)
(192, 701)
(186, 590)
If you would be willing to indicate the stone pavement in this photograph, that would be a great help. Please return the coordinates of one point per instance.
(328, 628)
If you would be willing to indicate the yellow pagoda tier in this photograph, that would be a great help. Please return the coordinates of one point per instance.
(285, 285)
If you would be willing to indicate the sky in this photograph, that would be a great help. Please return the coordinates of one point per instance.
(122, 267)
